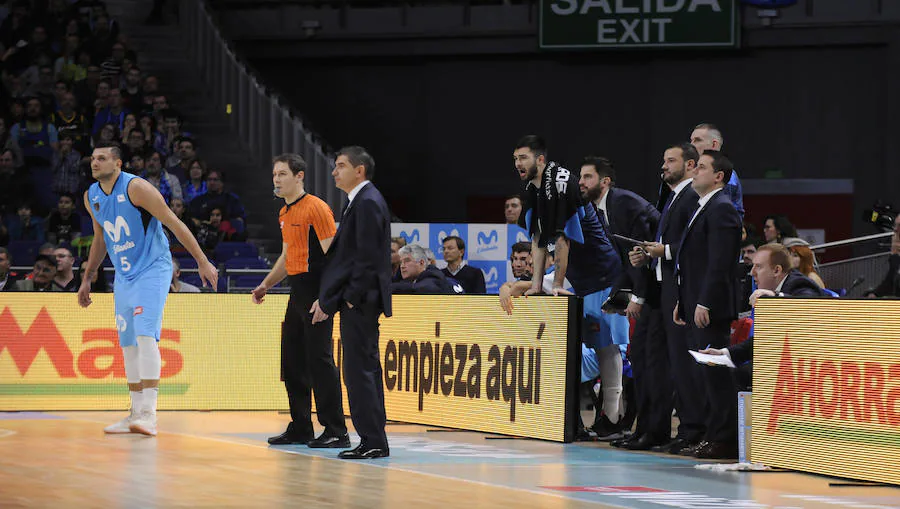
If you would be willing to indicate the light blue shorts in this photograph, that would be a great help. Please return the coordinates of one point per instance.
(140, 303)
(603, 329)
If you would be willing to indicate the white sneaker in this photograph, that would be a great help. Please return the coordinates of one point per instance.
(123, 426)
(145, 424)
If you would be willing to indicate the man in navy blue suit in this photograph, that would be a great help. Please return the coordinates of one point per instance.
(356, 281)
(705, 271)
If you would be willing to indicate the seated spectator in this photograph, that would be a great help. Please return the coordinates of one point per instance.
(775, 278)
(149, 91)
(217, 197)
(130, 124)
(65, 68)
(64, 224)
(108, 133)
(24, 226)
(216, 229)
(777, 227)
(98, 283)
(148, 127)
(748, 230)
(67, 175)
(471, 279)
(512, 208)
(429, 256)
(7, 143)
(111, 68)
(113, 113)
(195, 185)
(184, 153)
(418, 276)
(802, 258)
(7, 278)
(748, 249)
(167, 184)
(38, 139)
(179, 286)
(135, 164)
(101, 101)
(15, 186)
(171, 122)
(396, 244)
(66, 279)
(890, 285)
(520, 261)
(69, 121)
(42, 276)
(179, 208)
(131, 90)
(85, 90)
(135, 143)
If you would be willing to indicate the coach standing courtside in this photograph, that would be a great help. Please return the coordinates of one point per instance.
(705, 272)
(356, 282)
(307, 349)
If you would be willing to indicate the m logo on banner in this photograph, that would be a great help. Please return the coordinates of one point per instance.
(487, 242)
(115, 231)
(443, 235)
(412, 237)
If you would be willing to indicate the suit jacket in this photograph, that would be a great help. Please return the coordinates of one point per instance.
(705, 264)
(796, 285)
(673, 223)
(432, 281)
(10, 282)
(358, 265)
(631, 216)
(890, 286)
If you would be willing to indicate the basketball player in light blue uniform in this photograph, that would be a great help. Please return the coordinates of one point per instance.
(128, 215)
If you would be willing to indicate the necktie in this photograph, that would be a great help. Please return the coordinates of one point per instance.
(344, 210)
(663, 219)
(603, 219)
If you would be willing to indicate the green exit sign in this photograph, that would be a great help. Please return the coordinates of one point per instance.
(568, 24)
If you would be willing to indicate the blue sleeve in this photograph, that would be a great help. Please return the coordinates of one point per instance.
(735, 193)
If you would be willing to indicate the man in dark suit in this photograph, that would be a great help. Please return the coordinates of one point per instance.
(775, 278)
(705, 270)
(356, 281)
(625, 213)
(679, 166)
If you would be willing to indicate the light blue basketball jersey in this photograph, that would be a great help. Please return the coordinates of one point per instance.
(134, 238)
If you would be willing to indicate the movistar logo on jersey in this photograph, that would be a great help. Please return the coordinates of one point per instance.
(115, 231)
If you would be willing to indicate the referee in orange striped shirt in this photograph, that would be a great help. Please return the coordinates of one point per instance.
(307, 361)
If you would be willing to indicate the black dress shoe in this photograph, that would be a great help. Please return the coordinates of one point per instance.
(690, 449)
(717, 451)
(666, 447)
(623, 442)
(645, 443)
(330, 441)
(290, 436)
(364, 452)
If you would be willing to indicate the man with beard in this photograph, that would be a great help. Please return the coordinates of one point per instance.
(679, 166)
(629, 215)
(555, 214)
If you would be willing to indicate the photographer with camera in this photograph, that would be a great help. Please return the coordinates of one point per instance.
(890, 285)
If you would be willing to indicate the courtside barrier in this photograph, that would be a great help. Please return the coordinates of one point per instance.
(452, 361)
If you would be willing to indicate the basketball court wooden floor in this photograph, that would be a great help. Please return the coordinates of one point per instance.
(221, 459)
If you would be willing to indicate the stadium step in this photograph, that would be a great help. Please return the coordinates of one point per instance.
(160, 52)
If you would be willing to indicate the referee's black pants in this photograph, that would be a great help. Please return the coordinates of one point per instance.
(307, 361)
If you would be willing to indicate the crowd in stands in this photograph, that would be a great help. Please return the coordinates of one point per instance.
(70, 80)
